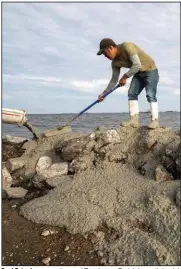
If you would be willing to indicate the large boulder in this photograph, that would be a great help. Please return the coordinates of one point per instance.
(15, 139)
(69, 150)
(172, 158)
(43, 163)
(18, 177)
(56, 170)
(15, 164)
(161, 174)
(16, 192)
(12, 147)
(54, 182)
(6, 178)
(107, 137)
(82, 163)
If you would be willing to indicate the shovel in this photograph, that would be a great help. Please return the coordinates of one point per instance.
(67, 127)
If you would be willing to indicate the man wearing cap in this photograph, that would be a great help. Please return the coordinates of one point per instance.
(145, 75)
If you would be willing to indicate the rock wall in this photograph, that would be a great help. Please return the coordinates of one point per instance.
(148, 151)
(154, 153)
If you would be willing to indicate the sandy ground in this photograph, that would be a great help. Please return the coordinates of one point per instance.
(23, 244)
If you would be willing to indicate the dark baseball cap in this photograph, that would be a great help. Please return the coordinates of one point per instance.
(104, 44)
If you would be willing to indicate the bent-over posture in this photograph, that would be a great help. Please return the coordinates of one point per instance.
(145, 75)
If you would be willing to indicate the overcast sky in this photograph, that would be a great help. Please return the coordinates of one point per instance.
(49, 53)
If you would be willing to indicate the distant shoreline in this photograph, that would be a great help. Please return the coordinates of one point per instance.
(61, 113)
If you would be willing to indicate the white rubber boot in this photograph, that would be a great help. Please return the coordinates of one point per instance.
(134, 115)
(154, 115)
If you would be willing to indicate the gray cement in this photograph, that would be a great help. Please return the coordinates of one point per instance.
(142, 214)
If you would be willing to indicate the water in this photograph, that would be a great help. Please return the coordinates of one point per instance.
(87, 122)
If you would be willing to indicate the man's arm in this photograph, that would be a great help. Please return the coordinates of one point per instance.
(136, 65)
(114, 79)
(134, 59)
(112, 82)
(132, 53)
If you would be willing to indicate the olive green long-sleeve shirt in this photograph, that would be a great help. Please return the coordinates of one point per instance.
(130, 56)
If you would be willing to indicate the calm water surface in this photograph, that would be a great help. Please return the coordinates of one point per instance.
(87, 122)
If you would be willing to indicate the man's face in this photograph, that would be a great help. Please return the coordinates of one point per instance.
(110, 53)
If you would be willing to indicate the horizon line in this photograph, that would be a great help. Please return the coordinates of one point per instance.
(170, 111)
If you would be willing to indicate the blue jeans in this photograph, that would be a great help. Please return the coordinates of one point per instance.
(147, 80)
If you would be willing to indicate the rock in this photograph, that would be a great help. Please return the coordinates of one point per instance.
(4, 194)
(101, 129)
(19, 177)
(150, 142)
(60, 168)
(6, 178)
(172, 159)
(92, 136)
(104, 151)
(103, 261)
(168, 163)
(147, 165)
(16, 192)
(54, 182)
(178, 166)
(81, 164)
(66, 248)
(55, 170)
(48, 232)
(11, 150)
(51, 175)
(161, 174)
(110, 136)
(117, 156)
(173, 148)
(14, 139)
(100, 236)
(15, 164)
(97, 148)
(46, 261)
(29, 174)
(168, 152)
(100, 253)
(178, 132)
(178, 162)
(38, 181)
(69, 150)
(43, 163)
(90, 145)
(178, 197)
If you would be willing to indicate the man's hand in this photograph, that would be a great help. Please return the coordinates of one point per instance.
(122, 81)
(100, 96)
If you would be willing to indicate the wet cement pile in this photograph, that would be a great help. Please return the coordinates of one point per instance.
(117, 197)
(116, 192)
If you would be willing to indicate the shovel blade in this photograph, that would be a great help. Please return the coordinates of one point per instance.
(53, 132)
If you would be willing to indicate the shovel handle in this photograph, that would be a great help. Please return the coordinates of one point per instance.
(113, 89)
(94, 103)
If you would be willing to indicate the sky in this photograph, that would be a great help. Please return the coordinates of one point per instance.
(49, 54)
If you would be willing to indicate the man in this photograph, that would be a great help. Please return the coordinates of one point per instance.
(144, 72)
